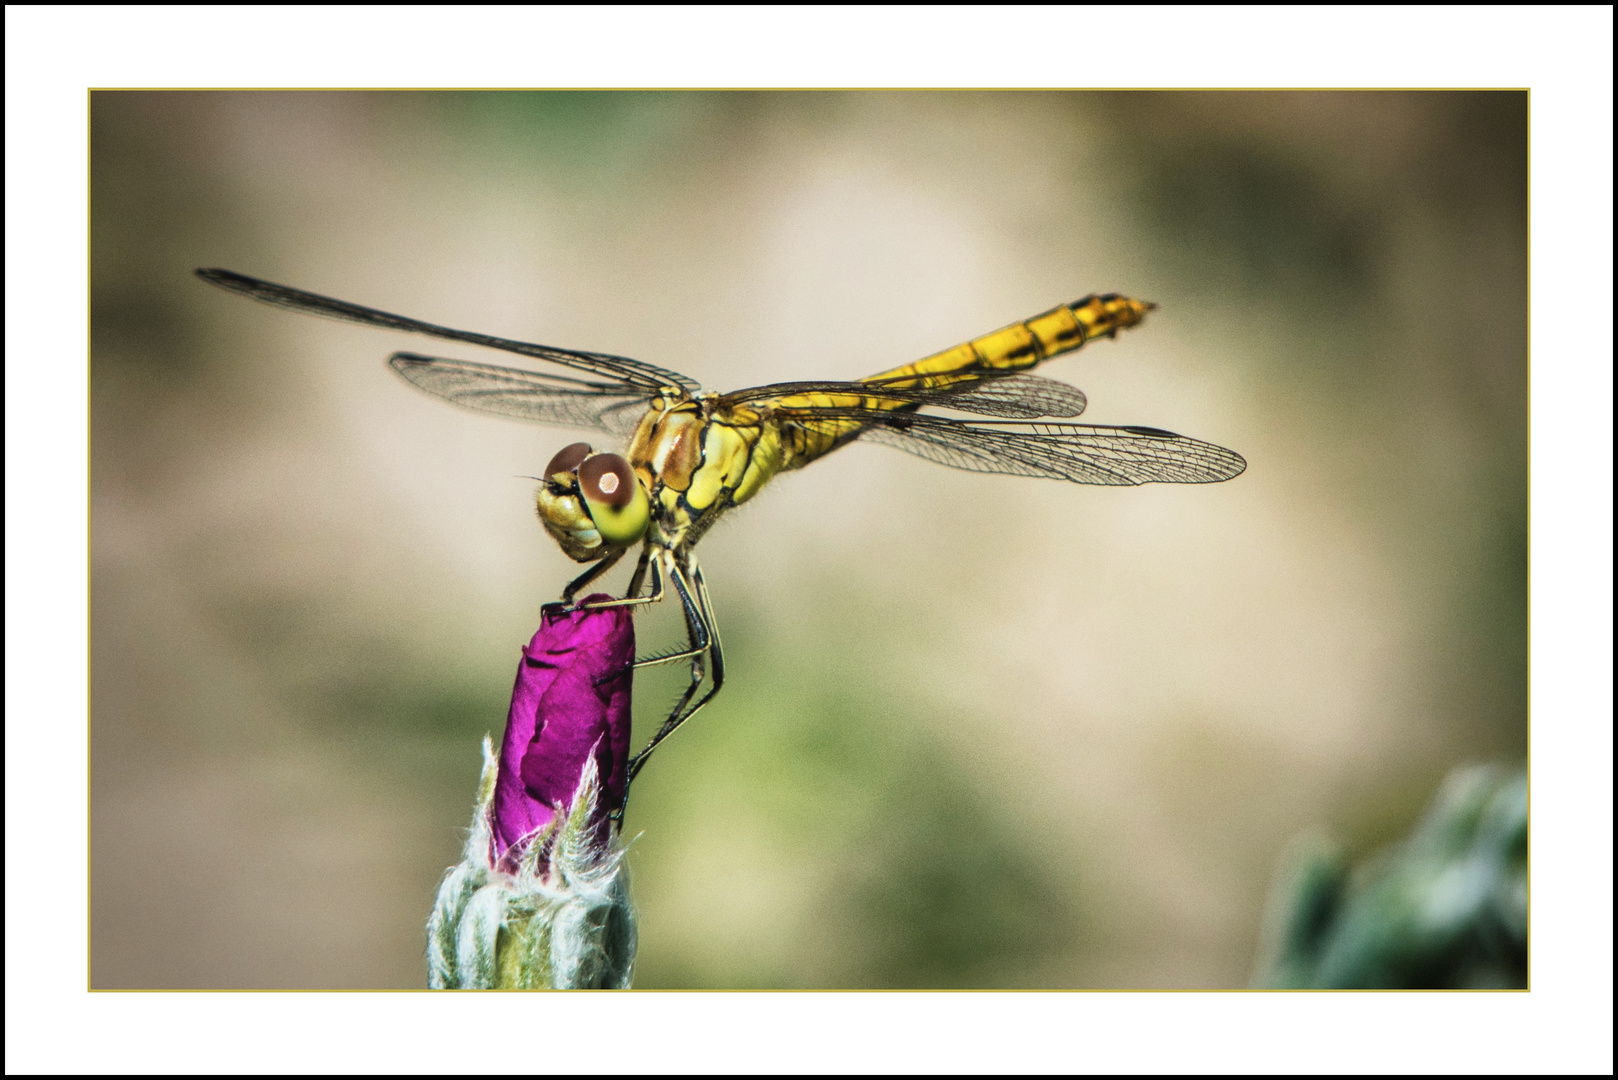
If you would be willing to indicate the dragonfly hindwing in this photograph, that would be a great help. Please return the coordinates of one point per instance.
(1082, 453)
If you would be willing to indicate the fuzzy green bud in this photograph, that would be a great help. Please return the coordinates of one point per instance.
(562, 920)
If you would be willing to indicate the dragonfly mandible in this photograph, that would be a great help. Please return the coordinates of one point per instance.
(691, 455)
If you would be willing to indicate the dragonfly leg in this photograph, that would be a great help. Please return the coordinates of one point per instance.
(697, 639)
(704, 638)
(716, 648)
(695, 630)
(638, 578)
(630, 599)
(601, 566)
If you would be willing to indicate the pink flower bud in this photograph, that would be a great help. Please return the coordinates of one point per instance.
(571, 701)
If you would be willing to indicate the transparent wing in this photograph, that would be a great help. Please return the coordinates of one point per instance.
(1082, 453)
(1016, 395)
(1021, 396)
(629, 371)
(526, 395)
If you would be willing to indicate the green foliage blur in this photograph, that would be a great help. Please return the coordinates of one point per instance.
(1447, 908)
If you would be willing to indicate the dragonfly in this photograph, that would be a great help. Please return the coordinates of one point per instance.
(691, 455)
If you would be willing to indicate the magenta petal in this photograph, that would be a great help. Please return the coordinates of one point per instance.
(571, 699)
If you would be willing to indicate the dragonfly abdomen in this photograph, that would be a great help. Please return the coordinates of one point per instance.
(1012, 348)
(1023, 344)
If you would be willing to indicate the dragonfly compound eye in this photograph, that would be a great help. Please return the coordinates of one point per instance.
(616, 501)
(567, 459)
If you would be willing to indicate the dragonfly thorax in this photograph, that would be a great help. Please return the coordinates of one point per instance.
(697, 459)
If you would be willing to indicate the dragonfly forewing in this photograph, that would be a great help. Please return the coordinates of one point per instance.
(993, 394)
(634, 372)
(526, 395)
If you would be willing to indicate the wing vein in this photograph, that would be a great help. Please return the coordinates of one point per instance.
(1081, 453)
(631, 371)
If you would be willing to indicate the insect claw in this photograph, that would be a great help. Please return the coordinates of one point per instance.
(555, 609)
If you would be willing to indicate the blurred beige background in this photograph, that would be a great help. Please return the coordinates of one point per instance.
(979, 731)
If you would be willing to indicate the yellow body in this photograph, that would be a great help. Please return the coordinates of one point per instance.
(693, 455)
(697, 456)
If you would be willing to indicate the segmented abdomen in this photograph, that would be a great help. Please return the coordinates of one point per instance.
(1016, 347)
(1022, 345)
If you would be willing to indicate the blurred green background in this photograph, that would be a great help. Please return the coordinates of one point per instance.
(979, 731)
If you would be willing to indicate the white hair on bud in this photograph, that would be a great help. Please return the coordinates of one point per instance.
(566, 912)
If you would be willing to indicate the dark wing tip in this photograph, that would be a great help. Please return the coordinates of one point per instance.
(1231, 464)
(229, 279)
(1220, 464)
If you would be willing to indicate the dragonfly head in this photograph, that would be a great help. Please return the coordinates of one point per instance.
(592, 503)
